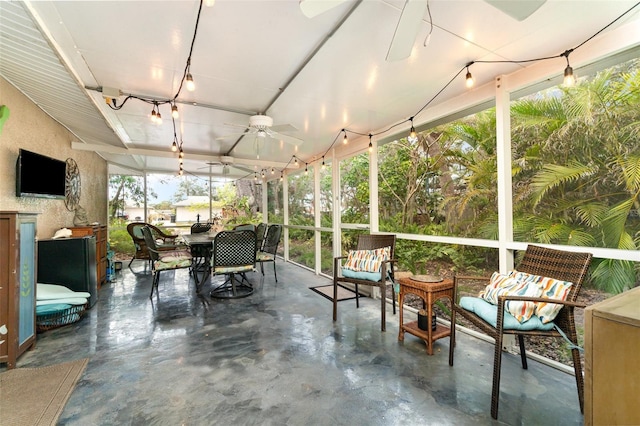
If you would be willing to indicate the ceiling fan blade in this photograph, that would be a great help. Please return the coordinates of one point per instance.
(519, 10)
(312, 8)
(407, 29)
(233, 135)
(285, 138)
(279, 128)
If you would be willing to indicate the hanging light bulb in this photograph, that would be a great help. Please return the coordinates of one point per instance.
(262, 173)
(255, 177)
(153, 115)
(469, 78)
(174, 111)
(323, 166)
(306, 169)
(569, 78)
(158, 118)
(181, 154)
(295, 161)
(209, 3)
(174, 145)
(281, 176)
(191, 86)
(370, 144)
(345, 139)
(412, 133)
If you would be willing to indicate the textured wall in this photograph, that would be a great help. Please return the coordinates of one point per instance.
(30, 128)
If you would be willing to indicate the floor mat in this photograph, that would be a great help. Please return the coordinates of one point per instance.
(327, 291)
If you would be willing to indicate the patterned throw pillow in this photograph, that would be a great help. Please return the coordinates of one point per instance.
(512, 284)
(551, 289)
(367, 260)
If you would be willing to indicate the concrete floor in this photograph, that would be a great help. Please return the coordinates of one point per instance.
(277, 358)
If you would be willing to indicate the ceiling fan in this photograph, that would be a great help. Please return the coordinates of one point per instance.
(261, 126)
(412, 15)
(226, 163)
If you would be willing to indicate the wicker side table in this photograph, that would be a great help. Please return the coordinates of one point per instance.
(429, 292)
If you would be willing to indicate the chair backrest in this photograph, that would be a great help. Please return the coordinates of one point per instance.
(272, 239)
(561, 265)
(150, 242)
(261, 231)
(371, 242)
(234, 248)
(199, 227)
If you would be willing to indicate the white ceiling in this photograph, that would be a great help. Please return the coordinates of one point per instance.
(319, 75)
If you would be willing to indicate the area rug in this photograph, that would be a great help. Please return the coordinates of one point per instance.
(37, 396)
(327, 291)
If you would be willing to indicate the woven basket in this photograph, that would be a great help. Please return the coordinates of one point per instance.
(58, 319)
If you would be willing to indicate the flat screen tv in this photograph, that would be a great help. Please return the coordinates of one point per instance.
(39, 176)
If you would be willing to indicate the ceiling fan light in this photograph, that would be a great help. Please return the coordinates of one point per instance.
(191, 86)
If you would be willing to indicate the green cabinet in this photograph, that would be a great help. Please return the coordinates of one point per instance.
(17, 284)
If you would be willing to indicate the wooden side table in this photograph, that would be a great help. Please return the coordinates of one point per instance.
(429, 292)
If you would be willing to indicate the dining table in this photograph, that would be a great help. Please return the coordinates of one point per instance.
(200, 245)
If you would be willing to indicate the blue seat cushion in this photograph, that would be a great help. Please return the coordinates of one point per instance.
(489, 313)
(361, 275)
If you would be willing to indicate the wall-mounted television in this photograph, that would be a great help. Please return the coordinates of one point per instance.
(39, 176)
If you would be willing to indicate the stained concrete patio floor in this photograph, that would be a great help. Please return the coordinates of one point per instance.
(277, 358)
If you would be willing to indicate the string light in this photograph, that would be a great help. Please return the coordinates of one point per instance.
(153, 115)
(370, 144)
(174, 111)
(323, 163)
(306, 169)
(469, 77)
(412, 132)
(281, 176)
(255, 177)
(345, 139)
(174, 145)
(569, 78)
(191, 86)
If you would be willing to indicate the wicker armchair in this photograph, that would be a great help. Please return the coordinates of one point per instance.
(164, 241)
(558, 264)
(368, 242)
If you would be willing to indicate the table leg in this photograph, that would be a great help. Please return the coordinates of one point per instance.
(400, 306)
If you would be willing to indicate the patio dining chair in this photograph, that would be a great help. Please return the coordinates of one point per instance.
(234, 254)
(200, 254)
(261, 230)
(164, 260)
(380, 275)
(163, 240)
(269, 248)
(543, 275)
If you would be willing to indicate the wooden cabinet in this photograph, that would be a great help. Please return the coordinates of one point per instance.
(611, 348)
(17, 284)
(100, 233)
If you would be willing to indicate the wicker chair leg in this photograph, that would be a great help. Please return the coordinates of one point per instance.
(275, 274)
(495, 390)
(523, 353)
(335, 300)
(154, 283)
(383, 307)
(393, 298)
(357, 297)
(452, 336)
(577, 368)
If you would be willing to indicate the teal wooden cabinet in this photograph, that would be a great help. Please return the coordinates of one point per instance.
(17, 284)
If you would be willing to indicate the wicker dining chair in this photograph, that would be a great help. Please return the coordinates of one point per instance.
(369, 242)
(261, 231)
(164, 260)
(497, 321)
(163, 240)
(234, 254)
(270, 248)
